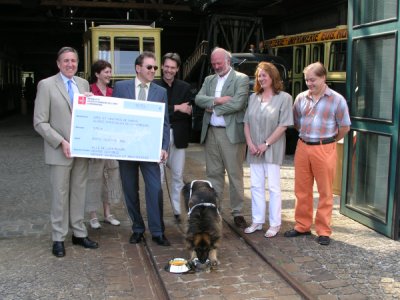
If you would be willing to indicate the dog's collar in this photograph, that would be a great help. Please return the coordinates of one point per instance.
(191, 185)
(203, 204)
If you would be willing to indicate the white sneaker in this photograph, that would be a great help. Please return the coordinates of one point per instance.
(253, 227)
(94, 223)
(111, 220)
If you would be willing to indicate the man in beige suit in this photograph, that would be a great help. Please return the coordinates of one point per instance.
(52, 120)
(224, 97)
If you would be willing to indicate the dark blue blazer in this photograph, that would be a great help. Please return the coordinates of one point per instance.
(126, 89)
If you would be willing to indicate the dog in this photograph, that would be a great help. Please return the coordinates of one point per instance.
(204, 222)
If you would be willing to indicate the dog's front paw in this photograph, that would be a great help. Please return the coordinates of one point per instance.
(213, 258)
(214, 263)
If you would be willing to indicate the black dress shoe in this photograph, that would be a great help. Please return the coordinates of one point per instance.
(161, 240)
(84, 242)
(136, 237)
(240, 222)
(294, 232)
(324, 240)
(58, 249)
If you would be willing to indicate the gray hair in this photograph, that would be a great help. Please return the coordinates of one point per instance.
(228, 55)
(65, 50)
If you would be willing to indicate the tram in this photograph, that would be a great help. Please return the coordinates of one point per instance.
(120, 45)
(327, 46)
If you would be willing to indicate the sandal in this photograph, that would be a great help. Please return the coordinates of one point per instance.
(272, 231)
(111, 220)
(94, 223)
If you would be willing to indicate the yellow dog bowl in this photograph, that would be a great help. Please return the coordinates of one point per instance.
(177, 265)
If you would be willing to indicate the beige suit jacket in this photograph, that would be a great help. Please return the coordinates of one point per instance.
(236, 86)
(52, 116)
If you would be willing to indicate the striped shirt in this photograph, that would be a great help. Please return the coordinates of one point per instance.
(321, 119)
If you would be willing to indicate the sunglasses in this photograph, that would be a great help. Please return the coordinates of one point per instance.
(149, 67)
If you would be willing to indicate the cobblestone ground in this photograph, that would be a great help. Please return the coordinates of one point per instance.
(359, 263)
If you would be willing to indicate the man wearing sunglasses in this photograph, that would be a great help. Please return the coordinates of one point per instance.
(142, 88)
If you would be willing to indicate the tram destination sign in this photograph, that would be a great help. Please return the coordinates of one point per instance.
(306, 38)
(116, 128)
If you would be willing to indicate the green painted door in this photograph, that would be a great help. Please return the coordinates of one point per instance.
(370, 169)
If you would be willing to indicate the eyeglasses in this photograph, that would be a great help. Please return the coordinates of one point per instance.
(149, 67)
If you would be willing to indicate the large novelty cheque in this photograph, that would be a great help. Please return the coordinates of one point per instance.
(116, 128)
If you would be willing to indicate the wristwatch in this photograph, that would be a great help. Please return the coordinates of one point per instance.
(266, 144)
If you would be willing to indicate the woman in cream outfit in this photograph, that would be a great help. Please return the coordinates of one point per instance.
(268, 114)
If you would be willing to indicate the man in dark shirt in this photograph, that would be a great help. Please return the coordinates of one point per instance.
(180, 111)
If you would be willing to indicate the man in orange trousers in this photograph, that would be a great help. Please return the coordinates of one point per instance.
(321, 116)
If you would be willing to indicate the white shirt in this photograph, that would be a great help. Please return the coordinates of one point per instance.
(137, 88)
(219, 120)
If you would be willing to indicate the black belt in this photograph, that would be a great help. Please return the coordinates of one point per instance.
(217, 126)
(320, 142)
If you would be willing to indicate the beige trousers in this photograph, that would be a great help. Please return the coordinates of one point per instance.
(68, 190)
(221, 156)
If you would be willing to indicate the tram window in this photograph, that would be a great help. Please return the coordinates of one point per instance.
(88, 58)
(337, 57)
(299, 60)
(148, 44)
(126, 50)
(317, 53)
(104, 48)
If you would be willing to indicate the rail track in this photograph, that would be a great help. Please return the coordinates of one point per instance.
(195, 286)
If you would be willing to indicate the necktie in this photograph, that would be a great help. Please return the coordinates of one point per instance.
(142, 92)
(70, 91)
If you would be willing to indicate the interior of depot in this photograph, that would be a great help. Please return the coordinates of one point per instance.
(356, 41)
(33, 31)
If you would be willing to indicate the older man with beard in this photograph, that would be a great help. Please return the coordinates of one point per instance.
(224, 97)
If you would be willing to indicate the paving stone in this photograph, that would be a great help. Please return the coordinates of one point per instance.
(331, 284)
(328, 297)
(359, 263)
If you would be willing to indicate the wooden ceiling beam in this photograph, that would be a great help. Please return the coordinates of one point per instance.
(113, 4)
(103, 4)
